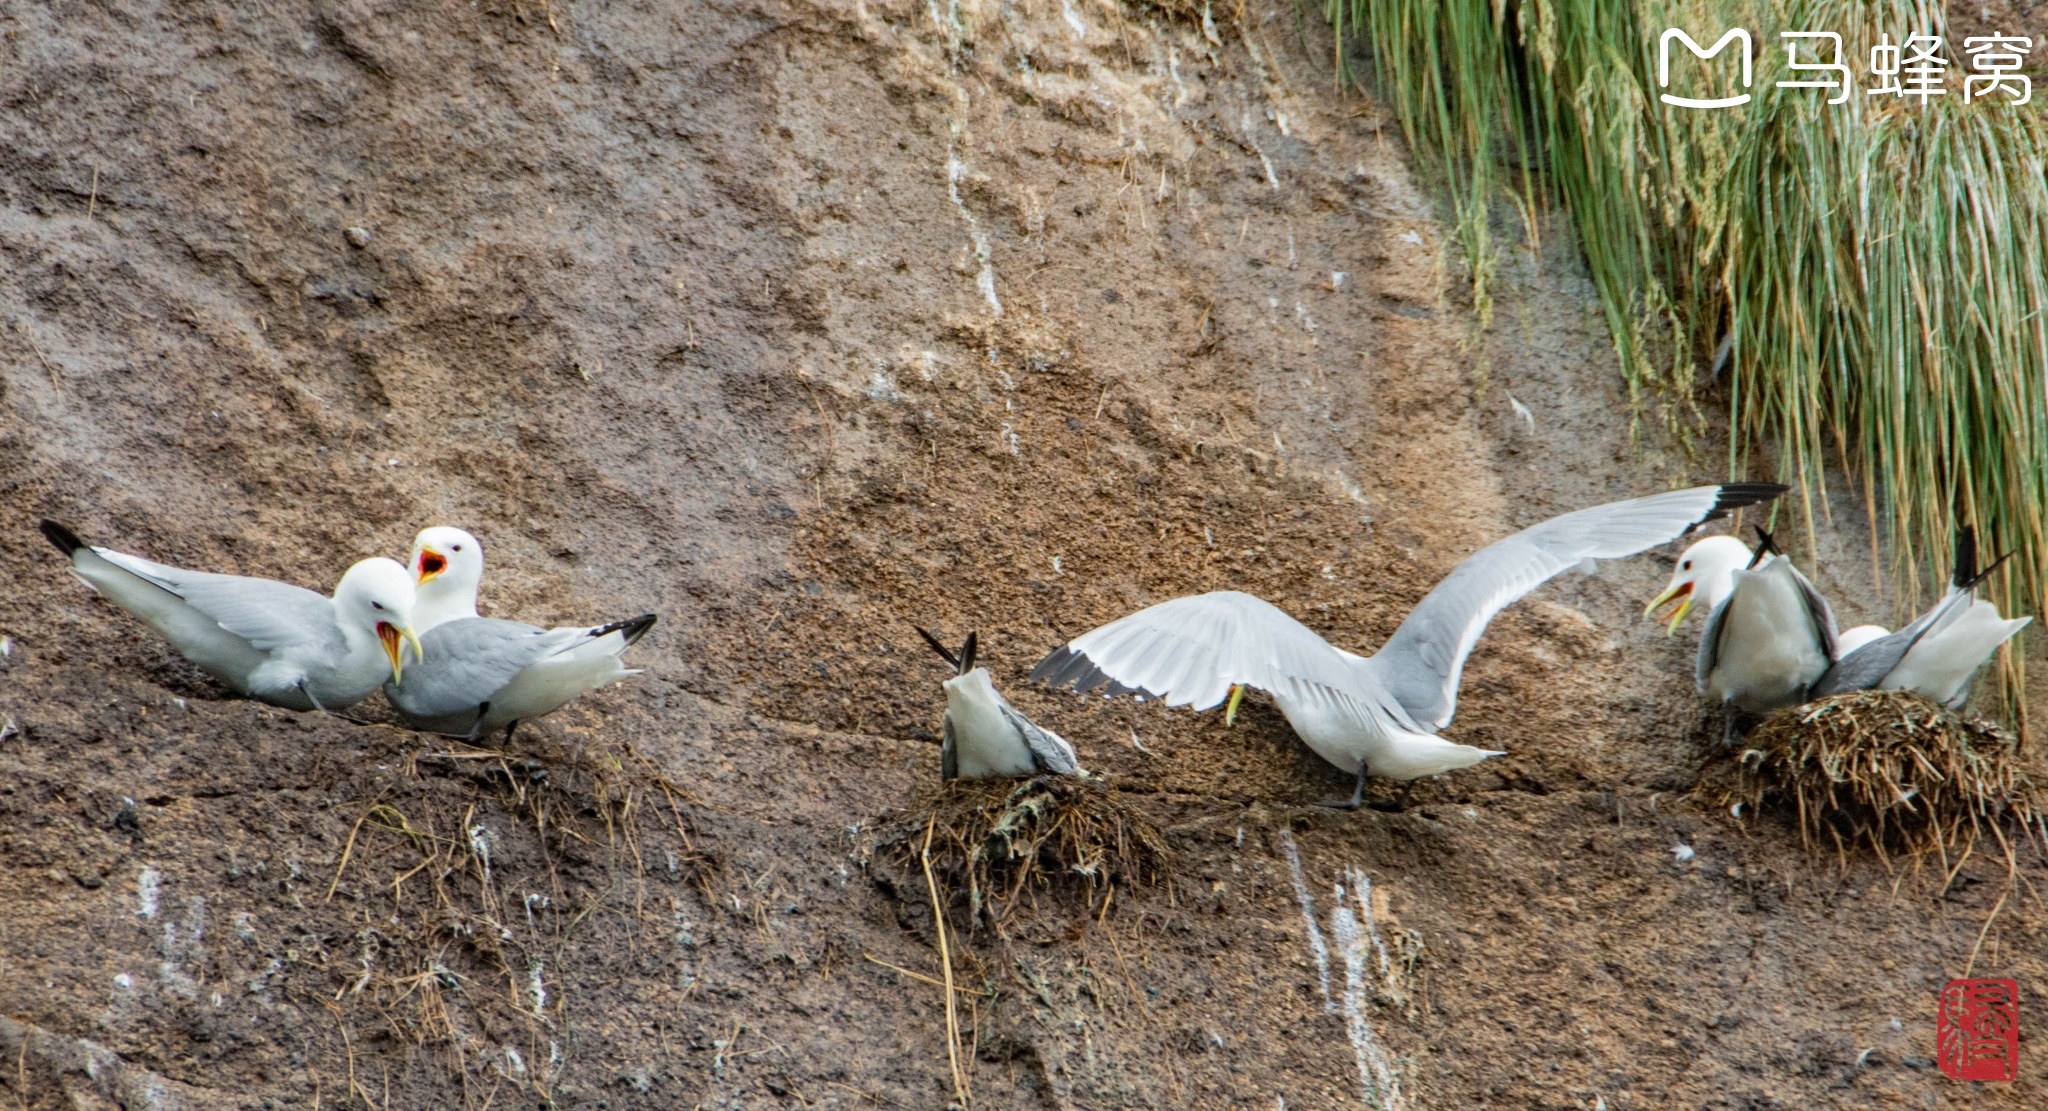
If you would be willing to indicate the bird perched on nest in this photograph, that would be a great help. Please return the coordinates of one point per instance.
(984, 734)
(1940, 653)
(485, 674)
(1372, 715)
(272, 641)
(1769, 633)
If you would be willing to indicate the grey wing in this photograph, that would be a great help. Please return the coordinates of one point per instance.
(1710, 643)
(1818, 611)
(270, 615)
(1422, 662)
(1050, 752)
(1191, 651)
(949, 753)
(470, 659)
(1867, 666)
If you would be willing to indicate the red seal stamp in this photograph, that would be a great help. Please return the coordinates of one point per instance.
(1978, 1033)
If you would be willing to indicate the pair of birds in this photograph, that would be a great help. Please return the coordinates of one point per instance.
(1770, 638)
(292, 647)
(1375, 715)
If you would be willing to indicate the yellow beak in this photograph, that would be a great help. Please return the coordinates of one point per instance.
(394, 640)
(1682, 592)
(1230, 711)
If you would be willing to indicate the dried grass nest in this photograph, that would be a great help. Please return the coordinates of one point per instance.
(1891, 770)
(997, 840)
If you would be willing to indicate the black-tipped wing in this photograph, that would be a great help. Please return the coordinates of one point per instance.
(1963, 573)
(632, 628)
(1421, 663)
(62, 536)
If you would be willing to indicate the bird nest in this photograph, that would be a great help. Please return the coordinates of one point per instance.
(997, 841)
(1891, 770)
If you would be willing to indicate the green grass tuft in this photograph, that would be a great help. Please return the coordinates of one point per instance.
(1875, 267)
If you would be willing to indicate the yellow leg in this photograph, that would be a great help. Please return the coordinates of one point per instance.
(1230, 710)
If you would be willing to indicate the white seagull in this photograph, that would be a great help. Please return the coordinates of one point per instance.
(1940, 653)
(1769, 633)
(283, 644)
(1373, 715)
(485, 674)
(984, 734)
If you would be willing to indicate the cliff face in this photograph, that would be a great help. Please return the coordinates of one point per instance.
(797, 324)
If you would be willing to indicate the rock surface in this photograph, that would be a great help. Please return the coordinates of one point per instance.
(798, 323)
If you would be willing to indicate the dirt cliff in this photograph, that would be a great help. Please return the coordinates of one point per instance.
(798, 323)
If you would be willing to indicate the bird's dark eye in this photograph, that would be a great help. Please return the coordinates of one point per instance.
(1686, 566)
(376, 605)
(458, 547)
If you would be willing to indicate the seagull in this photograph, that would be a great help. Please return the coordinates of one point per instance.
(486, 674)
(447, 568)
(1372, 715)
(489, 674)
(283, 644)
(1940, 653)
(1769, 633)
(985, 735)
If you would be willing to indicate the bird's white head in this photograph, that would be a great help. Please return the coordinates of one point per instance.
(447, 567)
(376, 596)
(1705, 575)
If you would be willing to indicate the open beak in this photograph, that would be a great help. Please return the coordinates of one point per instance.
(1682, 594)
(427, 564)
(394, 640)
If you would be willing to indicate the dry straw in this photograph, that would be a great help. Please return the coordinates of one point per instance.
(1869, 271)
(998, 840)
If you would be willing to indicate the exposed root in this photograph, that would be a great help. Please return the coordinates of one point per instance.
(996, 839)
(1890, 770)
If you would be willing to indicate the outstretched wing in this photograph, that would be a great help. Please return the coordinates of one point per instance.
(1191, 651)
(1421, 663)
